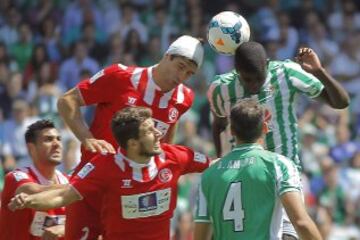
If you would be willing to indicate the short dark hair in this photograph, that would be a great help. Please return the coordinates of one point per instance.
(250, 57)
(247, 118)
(126, 123)
(33, 129)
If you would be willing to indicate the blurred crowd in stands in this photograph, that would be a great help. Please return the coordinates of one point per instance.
(48, 46)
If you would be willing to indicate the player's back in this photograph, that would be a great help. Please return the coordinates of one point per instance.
(241, 195)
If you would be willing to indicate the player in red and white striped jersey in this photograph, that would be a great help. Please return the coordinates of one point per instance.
(138, 184)
(158, 87)
(45, 148)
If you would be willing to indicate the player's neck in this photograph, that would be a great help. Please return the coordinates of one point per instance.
(47, 172)
(141, 159)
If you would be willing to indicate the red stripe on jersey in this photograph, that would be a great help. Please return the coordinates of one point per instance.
(145, 174)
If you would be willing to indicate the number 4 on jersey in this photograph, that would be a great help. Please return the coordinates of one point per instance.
(233, 209)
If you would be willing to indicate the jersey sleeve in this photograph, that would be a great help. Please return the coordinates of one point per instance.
(287, 176)
(104, 86)
(189, 160)
(303, 81)
(201, 208)
(215, 98)
(92, 177)
(13, 180)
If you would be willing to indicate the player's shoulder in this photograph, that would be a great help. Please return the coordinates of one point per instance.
(225, 78)
(287, 64)
(18, 175)
(118, 70)
(173, 151)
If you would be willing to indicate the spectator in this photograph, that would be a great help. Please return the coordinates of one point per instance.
(70, 69)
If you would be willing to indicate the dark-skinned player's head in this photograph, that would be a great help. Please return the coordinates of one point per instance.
(250, 64)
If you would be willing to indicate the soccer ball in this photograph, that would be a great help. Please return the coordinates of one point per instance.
(226, 31)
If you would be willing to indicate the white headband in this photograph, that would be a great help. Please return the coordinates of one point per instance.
(188, 47)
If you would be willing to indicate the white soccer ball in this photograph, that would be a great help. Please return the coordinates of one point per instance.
(226, 31)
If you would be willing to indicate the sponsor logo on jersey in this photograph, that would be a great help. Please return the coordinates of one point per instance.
(86, 170)
(165, 175)
(173, 114)
(199, 157)
(126, 183)
(97, 76)
(148, 202)
(20, 176)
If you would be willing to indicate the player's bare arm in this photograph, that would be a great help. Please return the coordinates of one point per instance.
(203, 231)
(300, 219)
(170, 136)
(32, 188)
(69, 108)
(218, 126)
(45, 200)
(333, 94)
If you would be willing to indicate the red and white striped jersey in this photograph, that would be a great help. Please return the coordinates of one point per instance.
(119, 86)
(138, 199)
(27, 224)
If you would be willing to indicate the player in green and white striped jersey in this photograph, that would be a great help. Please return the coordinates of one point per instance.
(241, 194)
(275, 84)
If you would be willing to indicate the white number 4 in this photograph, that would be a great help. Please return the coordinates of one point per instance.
(232, 209)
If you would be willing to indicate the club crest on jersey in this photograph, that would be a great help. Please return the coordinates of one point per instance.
(165, 175)
(173, 114)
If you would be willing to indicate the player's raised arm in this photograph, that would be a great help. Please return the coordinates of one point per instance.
(45, 200)
(218, 126)
(333, 94)
(69, 108)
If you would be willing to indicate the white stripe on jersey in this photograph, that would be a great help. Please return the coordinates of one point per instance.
(180, 94)
(123, 67)
(135, 77)
(153, 170)
(285, 94)
(119, 160)
(150, 88)
(164, 100)
(162, 157)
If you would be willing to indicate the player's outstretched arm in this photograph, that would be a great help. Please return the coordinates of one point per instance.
(32, 188)
(69, 108)
(334, 94)
(218, 126)
(45, 200)
(300, 219)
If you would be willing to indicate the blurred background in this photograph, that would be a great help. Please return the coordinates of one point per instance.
(48, 46)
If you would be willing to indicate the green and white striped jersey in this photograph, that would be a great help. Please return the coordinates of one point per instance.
(240, 194)
(284, 81)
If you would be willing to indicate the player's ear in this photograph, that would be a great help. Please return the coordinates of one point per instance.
(31, 148)
(265, 127)
(132, 143)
